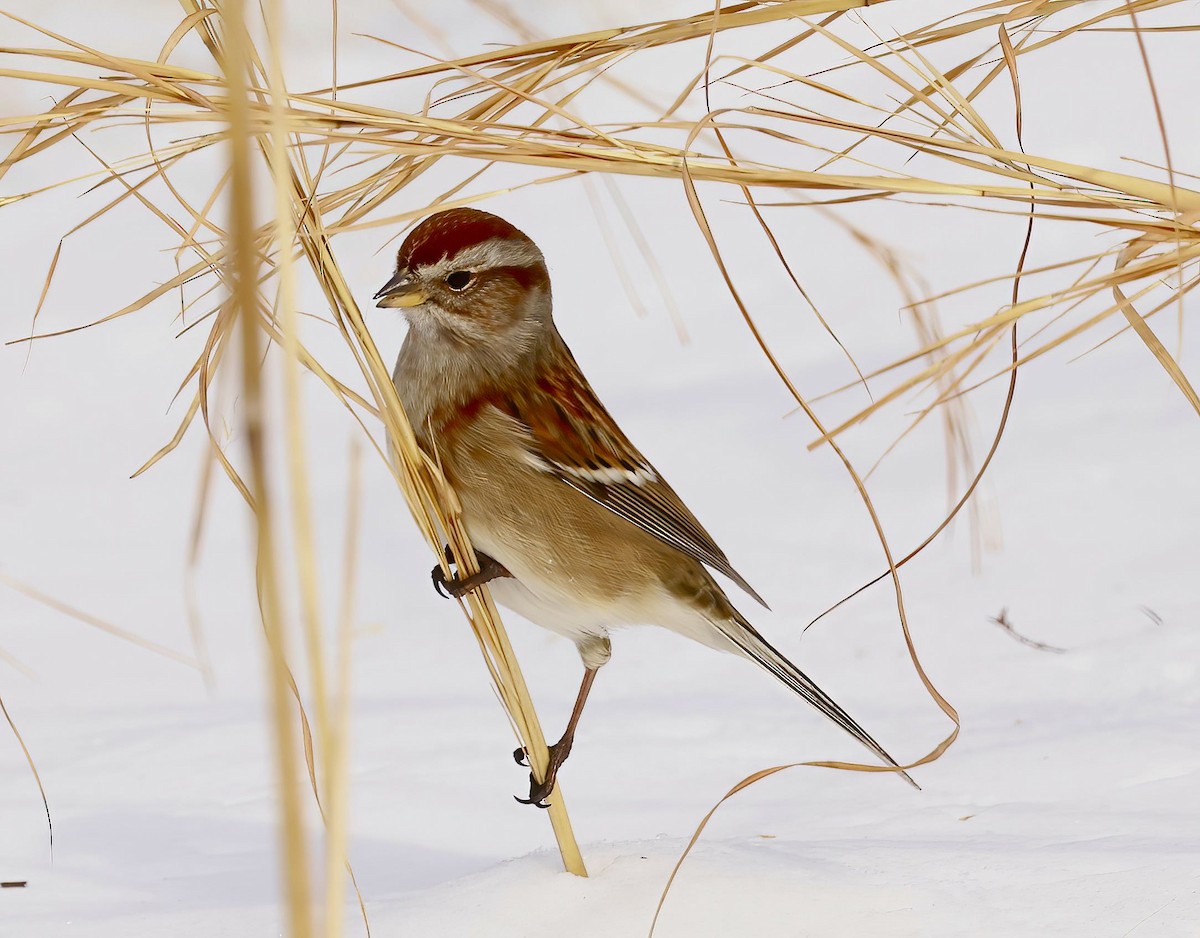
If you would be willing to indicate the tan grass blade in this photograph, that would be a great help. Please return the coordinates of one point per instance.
(12, 726)
(942, 703)
(95, 622)
(235, 59)
(1002, 424)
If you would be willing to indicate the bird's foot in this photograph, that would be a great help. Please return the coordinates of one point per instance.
(540, 791)
(458, 587)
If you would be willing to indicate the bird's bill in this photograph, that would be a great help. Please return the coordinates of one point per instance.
(401, 291)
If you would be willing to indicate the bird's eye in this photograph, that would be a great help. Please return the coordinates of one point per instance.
(459, 279)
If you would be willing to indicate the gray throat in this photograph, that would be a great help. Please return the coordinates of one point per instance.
(435, 370)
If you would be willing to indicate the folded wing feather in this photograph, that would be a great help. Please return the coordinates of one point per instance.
(575, 439)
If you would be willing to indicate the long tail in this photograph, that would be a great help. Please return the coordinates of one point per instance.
(746, 638)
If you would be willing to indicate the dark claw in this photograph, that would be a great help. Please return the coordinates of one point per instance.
(537, 794)
(439, 582)
(453, 587)
(540, 791)
(458, 587)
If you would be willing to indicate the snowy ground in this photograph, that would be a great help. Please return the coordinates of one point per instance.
(1066, 808)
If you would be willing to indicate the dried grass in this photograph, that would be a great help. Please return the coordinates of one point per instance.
(337, 162)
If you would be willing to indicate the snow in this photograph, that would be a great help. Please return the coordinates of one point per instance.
(1067, 807)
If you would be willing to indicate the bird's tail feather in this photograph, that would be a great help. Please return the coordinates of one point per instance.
(747, 639)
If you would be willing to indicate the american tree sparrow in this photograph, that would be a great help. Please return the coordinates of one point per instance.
(574, 529)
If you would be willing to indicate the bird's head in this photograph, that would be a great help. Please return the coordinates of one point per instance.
(470, 277)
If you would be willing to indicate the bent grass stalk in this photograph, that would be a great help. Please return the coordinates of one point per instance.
(429, 496)
(243, 261)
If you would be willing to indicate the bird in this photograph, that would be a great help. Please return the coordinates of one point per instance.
(574, 529)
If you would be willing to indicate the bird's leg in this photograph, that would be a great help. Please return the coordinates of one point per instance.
(458, 587)
(540, 791)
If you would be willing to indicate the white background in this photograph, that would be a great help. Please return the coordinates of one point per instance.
(1066, 808)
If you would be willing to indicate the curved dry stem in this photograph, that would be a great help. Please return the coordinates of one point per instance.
(941, 702)
(37, 778)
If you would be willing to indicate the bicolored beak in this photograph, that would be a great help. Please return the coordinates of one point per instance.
(402, 290)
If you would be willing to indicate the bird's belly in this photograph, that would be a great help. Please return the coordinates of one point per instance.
(560, 581)
(573, 570)
(580, 615)
(559, 613)
(580, 621)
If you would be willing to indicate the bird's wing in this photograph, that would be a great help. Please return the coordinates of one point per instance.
(575, 439)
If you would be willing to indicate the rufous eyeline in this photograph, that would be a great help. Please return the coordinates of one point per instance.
(574, 529)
